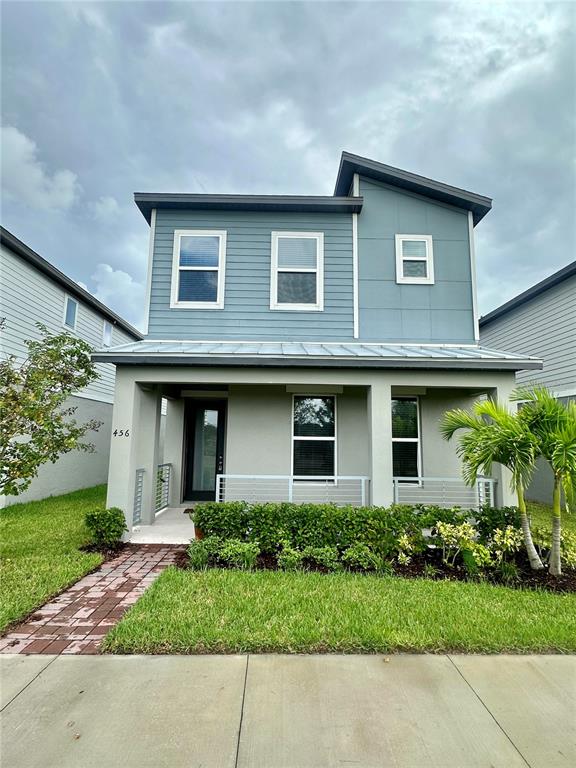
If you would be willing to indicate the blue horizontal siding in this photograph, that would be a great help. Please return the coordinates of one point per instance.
(246, 314)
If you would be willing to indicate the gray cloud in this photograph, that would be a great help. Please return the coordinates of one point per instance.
(116, 97)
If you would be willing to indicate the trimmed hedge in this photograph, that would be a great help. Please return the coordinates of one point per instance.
(302, 526)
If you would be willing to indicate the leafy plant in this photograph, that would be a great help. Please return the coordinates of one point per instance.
(504, 542)
(360, 557)
(239, 554)
(106, 526)
(508, 572)
(490, 518)
(453, 539)
(543, 541)
(325, 557)
(34, 427)
(198, 555)
(289, 558)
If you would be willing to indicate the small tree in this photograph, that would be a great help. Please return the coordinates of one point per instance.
(34, 428)
(494, 435)
(554, 425)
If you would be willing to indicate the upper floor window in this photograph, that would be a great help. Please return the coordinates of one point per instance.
(414, 259)
(198, 267)
(70, 312)
(107, 334)
(297, 271)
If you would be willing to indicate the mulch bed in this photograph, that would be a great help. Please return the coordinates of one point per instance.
(417, 569)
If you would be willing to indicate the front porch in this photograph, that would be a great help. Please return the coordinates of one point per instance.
(183, 435)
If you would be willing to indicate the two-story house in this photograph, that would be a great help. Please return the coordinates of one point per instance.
(306, 346)
(34, 291)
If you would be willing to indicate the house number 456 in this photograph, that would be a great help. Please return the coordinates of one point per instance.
(121, 433)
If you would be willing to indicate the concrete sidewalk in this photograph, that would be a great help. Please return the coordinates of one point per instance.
(404, 711)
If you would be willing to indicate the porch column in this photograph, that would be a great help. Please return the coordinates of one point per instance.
(380, 431)
(122, 468)
(173, 448)
(147, 444)
(505, 495)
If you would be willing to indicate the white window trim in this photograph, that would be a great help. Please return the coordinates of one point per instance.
(68, 298)
(400, 259)
(334, 439)
(417, 440)
(106, 324)
(176, 269)
(319, 271)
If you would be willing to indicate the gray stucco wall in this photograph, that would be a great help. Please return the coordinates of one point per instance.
(76, 469)
(442, 312)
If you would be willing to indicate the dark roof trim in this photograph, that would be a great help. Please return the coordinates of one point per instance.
(21, 249)
(146, 201)
(563, 274)
(351, 164)
(311, 362)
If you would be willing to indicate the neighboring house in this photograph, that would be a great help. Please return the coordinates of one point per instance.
(542, 322)
(307, 347)
(32, 291)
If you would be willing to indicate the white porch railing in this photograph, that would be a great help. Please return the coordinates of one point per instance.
(348, 489)
(444, 492)
(162, 494)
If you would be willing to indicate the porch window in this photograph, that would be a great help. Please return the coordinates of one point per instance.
(297, 281)
(314, 436)
(405, 437)
(198, 266)
(414, 259)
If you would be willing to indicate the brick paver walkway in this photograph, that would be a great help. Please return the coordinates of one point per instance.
(77, 620)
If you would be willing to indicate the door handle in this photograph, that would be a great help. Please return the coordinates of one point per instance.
(220, 464)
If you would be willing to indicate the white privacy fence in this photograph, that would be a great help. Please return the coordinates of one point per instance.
(343, 489)
(444, 492)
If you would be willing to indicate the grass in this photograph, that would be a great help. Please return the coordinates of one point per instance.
(228, 611)
(541, 516)
(39, 544)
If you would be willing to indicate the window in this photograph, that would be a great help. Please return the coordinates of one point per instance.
(198, 268)
(107, 334)
(297, 271)
(405, 437)
(314, 437)
(414, 259)
(70, 312)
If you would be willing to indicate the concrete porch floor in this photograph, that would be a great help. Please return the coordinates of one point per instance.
(171, 526)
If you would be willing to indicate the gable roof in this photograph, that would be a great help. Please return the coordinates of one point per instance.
(411, 182)
(10, 241)
(549, 282)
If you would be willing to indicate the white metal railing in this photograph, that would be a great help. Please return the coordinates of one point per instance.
(162, 494)
(138, 491)
(444, 492)
(343, 489)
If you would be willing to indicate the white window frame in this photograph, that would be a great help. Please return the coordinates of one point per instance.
(68, 298)
(106, 325)
(318, 271)
(418, 440)
(315, 478)
(176, 269)
(400, 259)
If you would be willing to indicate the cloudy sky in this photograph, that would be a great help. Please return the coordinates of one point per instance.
(101, 100)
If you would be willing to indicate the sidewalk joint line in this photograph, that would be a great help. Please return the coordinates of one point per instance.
(449, 657)
(28, 684)
(242, 711)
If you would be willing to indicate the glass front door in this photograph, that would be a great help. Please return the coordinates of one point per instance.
(204, 448)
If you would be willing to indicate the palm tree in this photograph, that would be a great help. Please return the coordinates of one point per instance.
(495, 435)
(554, 425)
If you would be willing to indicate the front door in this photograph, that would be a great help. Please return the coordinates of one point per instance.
(204, 448)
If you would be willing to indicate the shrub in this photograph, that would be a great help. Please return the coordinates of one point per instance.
(488, 519)
(360, 557)
(239, 554)
(325, 557)
(289, 559)
(505, 542)
(198, 554)
(106, 526)
(454, 539)
(543, 541)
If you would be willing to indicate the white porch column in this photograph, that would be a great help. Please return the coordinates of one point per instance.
(505, 495)
(122, 468)
(174, 448)
(147, 444)
(380, 430)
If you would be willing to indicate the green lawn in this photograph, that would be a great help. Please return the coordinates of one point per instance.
(541, 516)
(39, 550)
(226, 611)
